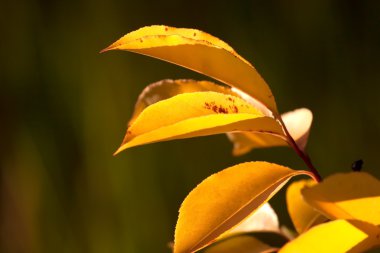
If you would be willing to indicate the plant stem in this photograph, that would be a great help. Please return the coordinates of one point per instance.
(299, 152)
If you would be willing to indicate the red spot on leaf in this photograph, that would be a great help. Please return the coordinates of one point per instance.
(215, 108)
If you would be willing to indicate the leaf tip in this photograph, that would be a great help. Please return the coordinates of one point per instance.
(106, 49)
(121, 148)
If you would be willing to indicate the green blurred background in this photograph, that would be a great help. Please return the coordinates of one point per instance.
(64, 110)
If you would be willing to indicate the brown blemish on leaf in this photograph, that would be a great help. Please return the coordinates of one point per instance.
(215, 108)
(195, 34)
(166, 29)
(231, 99)
(221, 109)
(234, 108)
(141, 40)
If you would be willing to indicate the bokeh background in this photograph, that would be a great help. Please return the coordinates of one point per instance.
(64, 110)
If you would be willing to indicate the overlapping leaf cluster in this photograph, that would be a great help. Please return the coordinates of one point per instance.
(228, 211)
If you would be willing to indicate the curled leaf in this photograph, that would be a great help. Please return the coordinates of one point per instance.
(303, 216)
(339, 236)
(195, 114)
(201, 52)
(298, 122)
(225, 199)
(354, 195)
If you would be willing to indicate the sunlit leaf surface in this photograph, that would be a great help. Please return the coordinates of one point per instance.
(224, 199)
(354, 195)
(196, 114)
(339, 236)
(200, 52)
(168, 88)
(303, 216)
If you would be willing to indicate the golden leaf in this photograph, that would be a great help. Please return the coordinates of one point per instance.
(303, 216)
(339, 236)
(354, 195)
(225, 199)
(201, 52)
(195, 114)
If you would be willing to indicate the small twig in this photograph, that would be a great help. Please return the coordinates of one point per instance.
(299, 152)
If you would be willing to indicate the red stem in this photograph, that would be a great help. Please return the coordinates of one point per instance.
(300, 153)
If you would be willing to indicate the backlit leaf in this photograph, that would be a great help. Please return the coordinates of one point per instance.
(200, 52)
(298, 122)
(303, 216)
(263, 219)
(196, 114)
(339, 236)
(225, 199)
(354, 195)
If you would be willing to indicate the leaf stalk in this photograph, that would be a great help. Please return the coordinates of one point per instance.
(302, 154)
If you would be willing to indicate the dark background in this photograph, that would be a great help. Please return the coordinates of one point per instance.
(64, 110)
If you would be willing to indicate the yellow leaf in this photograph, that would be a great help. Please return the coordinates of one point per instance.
(224, 199)
(354, 195)
(303, 216)
(337, 236)
(195, 114)
(240, 243)
(298, 122)
(200, 52)
(168, 88)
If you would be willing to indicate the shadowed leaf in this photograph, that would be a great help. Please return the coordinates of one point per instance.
(241, 244)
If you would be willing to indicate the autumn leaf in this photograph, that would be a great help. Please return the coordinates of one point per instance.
(193, 114)
(211, 56)
(225, 199)
(339, 236)
(201, 52)
(354, 195)
(168, 88)
(303, 216)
